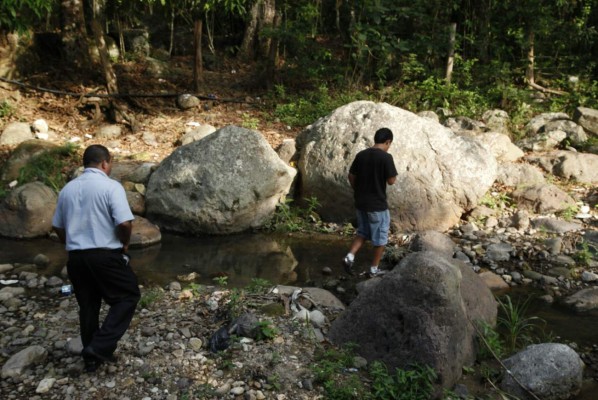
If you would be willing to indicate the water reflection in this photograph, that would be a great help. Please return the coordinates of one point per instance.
(240, 258)
(280, 259)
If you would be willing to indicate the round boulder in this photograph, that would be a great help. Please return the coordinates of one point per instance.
(15, 133)
(552, 371)
(228, 182)
(419, 312)
(27, 211)
(440, 175)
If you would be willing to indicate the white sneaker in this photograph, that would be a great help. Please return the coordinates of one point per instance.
(374, 271)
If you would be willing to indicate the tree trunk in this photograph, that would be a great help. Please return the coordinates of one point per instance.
(261, 16)
(266, 20)
(119, 111)
(273, 56)
(247, 50)
(197, 59)
(74, 34)
(451, 52)
(107, 70)
(529, 72)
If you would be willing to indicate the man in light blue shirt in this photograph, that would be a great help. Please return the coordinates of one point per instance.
(94, 219)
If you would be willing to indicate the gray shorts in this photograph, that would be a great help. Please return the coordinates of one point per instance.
(374, 226)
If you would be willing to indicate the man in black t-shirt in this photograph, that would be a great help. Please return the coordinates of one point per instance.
(370, 172)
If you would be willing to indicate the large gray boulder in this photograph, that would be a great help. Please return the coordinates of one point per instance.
(27, 211)
(228, 182)
(581, 167)
(440, 175)
(552, 371)
(419, 312)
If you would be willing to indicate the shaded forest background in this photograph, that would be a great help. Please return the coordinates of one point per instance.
(309, 56)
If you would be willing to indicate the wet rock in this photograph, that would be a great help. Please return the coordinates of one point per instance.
(493, 281)
(552, 371)
(144, 233)
(584, 300)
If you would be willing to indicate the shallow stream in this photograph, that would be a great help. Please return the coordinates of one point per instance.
(280, 259)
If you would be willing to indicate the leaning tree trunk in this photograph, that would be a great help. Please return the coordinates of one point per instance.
(74, 35)
(451, 53)
(197, 59)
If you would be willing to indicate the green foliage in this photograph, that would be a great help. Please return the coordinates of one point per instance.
(305, 108)
(258, 286)
(330, 371)
(235, 303)
(569, 213)
(220, 280)
(266, 331)
(48, 167)
(415, 383)
(150, 296)
(490, 344)
(584, 256)
(250, 122)
(293, 219)
(18, 15)
(495, 200)
(518, 329)
(6, 109)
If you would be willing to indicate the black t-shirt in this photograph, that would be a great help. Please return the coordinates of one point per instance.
(372, 167)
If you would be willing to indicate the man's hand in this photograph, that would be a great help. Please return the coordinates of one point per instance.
(123, 232)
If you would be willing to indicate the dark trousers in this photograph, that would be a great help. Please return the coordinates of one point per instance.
(103, 274)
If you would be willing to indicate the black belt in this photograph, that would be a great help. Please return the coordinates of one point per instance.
(97, 250)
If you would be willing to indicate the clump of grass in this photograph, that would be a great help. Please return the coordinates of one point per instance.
(150, 297)
(413, 383)
(519, 330)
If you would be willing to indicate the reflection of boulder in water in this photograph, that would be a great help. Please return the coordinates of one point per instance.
(240, 257)
(254, 257)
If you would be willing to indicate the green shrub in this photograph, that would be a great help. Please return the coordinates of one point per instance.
(414, 383)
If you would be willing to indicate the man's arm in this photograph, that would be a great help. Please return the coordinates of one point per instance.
(352, 180)
(123, 232)
(391, 180)
(61, 232)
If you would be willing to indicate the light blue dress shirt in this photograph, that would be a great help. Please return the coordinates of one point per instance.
(89, 208)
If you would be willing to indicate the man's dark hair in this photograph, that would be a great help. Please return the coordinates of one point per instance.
(95, 154)
(382, 135)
